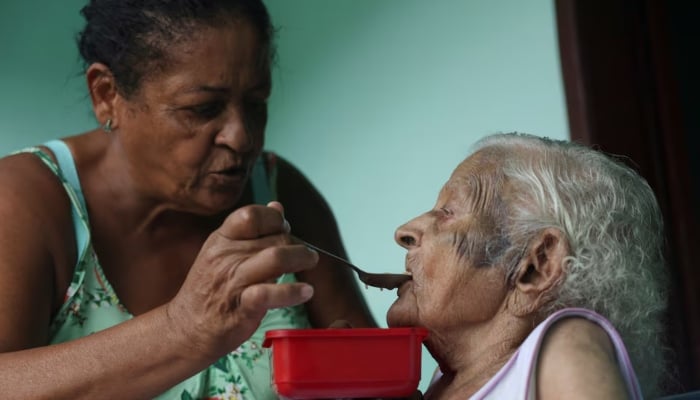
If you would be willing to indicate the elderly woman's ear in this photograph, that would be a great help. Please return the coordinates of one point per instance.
(539, 272)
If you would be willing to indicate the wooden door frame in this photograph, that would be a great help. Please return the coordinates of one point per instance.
(622, 96)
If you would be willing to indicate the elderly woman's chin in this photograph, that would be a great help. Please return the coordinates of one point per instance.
(401, 314)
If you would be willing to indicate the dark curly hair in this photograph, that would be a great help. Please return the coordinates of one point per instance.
(132, 37)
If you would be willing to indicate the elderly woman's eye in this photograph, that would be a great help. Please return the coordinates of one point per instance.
(446, 211)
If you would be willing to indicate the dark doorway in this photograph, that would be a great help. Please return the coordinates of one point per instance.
(628, 68)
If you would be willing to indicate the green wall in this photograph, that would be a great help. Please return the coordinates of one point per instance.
(378, 100)
(375, 100)
(42, 95)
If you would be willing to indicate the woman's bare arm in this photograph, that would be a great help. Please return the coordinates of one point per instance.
(219, 306)
(137, 359)
(34, 211)
(578, 361)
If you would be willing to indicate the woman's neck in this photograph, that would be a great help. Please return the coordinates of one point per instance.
(470, 357)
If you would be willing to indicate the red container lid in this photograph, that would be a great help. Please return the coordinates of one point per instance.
(345, 363)
(343, 332)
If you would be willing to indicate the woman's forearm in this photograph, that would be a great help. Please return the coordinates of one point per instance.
(140, 358)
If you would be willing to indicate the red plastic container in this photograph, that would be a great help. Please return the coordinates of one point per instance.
(345, 363)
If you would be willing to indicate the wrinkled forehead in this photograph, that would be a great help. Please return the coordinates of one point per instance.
(487, 161)
(476, 181)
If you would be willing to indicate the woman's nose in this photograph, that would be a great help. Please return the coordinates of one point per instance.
(407, 235)
(234, 133)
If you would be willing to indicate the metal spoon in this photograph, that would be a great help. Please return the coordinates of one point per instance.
(382, 281)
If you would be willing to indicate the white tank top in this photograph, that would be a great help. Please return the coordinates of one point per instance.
(516, 379)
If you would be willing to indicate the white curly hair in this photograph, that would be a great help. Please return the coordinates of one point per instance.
(614, 227)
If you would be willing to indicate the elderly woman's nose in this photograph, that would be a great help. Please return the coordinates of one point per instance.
(407, 236)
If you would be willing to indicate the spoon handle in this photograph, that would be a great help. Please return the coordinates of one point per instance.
(382, 281)
(333, 256)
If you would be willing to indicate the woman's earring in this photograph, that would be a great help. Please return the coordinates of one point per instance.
(107, 127)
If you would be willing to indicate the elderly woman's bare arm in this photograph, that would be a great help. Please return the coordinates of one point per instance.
(578, 361)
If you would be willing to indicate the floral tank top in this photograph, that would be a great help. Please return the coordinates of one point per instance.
(92, 305)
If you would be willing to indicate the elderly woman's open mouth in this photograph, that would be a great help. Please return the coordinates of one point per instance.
(405, 285)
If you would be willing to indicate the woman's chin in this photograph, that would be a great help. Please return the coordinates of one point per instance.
(397, 316)
(217, 203)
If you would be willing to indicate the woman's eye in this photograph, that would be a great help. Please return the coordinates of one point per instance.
(207, 110)
(446, 211)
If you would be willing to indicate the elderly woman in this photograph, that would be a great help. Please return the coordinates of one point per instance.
(139, 260)
(536, 254)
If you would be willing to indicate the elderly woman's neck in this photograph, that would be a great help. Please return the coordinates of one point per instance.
(469, 357)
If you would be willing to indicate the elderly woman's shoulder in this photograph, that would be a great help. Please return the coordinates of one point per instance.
(579, 357)
(571, 334)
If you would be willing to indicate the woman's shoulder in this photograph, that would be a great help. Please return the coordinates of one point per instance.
(29, 187)
(34, 207)
(574, 333)
(275, 164)
(293, 187)
(573, 329)
(580, 354)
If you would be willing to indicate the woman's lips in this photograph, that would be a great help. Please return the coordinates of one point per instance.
(232, 171)
(230, 175)
(403, 288)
